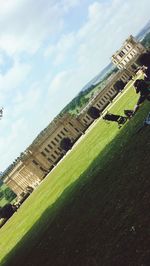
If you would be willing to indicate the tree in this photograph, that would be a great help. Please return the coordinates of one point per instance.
(119, 85)
(65, 144)
(6, 211)
(144, 59)
(9, 194)
(1, 194)
(93, 112)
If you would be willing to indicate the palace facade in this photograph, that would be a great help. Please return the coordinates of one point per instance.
(127, 55)
(45, 152)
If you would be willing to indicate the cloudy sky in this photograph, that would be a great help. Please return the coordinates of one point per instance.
(49, 49)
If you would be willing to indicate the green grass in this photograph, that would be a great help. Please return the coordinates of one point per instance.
(83, 212)
(3, 201)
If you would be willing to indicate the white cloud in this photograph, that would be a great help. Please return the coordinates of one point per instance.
(10, 147)
(67, 4)
(72, 57)
(1, 59)
(108, 24)
(60, 51)
(27, 102)
(13, 77)
(25, 24)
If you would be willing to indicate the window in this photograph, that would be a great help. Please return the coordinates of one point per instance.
(35, 162)
(123, 76)
(134, 52)
(121, 54)
(110, 93)
(59, 136)
(112, 90)
(50, 146)
(42, 169)
(53, 143)
(84, 120)
(115, 61)
(103, 100)
(56, 153)
(43, 153)
(49, 160)
(77, 130)
(46, 150)
(56, 139)
(124, 50)
(70, 124)
(127, 59)
(53, 156)
(62, 133)
(130, 56)
(87, 117)
(65, 129)
(128, 47)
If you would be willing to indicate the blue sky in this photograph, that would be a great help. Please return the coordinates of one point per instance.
(49, 49)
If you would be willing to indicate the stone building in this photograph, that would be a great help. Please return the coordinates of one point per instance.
(20, 177)
(104, 97)
(45, 151)
(127, 55)
(43, 154)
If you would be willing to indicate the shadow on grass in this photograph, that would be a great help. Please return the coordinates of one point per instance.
(102, 218)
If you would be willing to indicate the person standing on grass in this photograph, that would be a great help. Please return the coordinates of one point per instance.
(143, 88)
(144, 62)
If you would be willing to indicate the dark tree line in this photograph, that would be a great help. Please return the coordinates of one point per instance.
(146, 41)
(8, 194)
(7, 211)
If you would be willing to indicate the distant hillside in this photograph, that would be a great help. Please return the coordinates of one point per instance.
(146, 41)
(1, 182)
(98, 77)
(84, 96)
(140, 36)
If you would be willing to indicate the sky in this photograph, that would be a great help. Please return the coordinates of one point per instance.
(49, 49)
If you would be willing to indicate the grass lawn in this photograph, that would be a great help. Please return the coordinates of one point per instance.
(93, 208)
(3, 201)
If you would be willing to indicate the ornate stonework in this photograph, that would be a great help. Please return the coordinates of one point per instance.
(45, 151)
(127, 55)
(43, 154)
